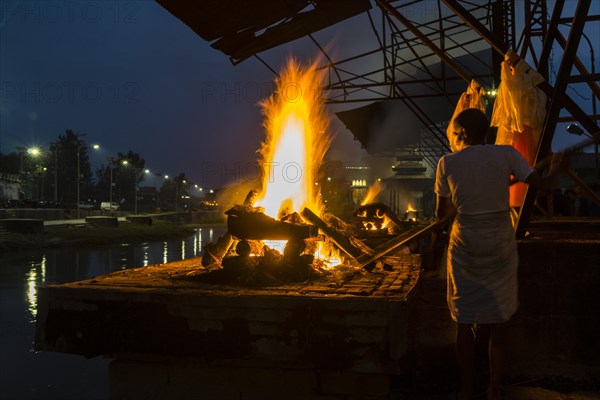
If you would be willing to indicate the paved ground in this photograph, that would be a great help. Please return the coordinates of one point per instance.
(511, 393)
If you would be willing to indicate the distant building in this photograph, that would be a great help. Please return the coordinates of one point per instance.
(147, 198)
(10, 187)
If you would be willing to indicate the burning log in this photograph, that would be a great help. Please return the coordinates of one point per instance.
(250, 224)
(214, 252)
(373, 216)
(398, 241)
(343, 241)
(250, 197)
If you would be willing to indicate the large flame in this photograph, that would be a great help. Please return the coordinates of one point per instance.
(294, 148)
(296, 142)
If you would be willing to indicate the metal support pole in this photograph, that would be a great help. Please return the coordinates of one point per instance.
(78, 177)
(156, 191)
(556, 104)
(501, 47)
(135, 189)
(111, 185)
(591, 78)
(78, 135)
(549, 39)
(55, 174)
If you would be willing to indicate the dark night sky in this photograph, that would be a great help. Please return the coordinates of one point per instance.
(133, 77)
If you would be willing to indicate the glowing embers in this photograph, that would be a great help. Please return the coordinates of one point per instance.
(411, 214)
(375, 219)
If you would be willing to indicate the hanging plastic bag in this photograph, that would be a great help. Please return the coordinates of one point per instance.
(519, 113)
(474, 97)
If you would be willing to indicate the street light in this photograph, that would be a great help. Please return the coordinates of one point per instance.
(136, 170)
(135, 183)
(35, 152)
(135, 189)
(78, 135)
(111, 161)
(575, 130)
(146, 171)
(54, 148)
(26, 183)
(156, 174)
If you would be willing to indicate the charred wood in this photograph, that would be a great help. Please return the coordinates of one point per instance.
(404, 238)
(247, 223)
(214, 252)
(342, 240)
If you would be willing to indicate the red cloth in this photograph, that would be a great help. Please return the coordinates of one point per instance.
(525, 144)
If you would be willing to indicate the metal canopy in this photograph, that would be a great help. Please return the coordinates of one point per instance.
(242, 29)
(421, 50)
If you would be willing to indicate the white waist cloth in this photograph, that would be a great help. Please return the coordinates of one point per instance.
(482, 269)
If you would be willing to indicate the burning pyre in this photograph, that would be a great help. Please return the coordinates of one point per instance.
(282, 229)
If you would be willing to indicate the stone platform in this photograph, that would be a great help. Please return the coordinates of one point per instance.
(162, 318)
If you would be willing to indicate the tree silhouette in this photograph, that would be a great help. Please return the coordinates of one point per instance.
(127, 175)
(70, 148)
(171, 192)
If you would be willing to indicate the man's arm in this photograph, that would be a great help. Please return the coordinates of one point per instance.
(547, 183)
(444, 207)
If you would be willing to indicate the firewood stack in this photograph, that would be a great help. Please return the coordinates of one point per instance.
(240, 253)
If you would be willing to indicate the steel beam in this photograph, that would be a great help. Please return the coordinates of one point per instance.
(592, 81)
(549, 39)
(556, 104)
(426, 41)
(499, 46)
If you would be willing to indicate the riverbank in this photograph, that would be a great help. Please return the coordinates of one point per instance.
(87, 235)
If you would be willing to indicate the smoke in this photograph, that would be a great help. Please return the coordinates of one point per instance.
(234, 193)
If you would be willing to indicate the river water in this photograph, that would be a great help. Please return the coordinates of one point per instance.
(25, 374)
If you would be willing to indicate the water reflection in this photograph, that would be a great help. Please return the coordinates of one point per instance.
(35, 276)
(165, 252)
(145, 249)
(31, 291)
(29, 375)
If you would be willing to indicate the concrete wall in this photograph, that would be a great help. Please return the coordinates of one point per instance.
(557, 329)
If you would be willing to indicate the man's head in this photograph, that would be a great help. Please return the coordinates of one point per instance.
(470, 127)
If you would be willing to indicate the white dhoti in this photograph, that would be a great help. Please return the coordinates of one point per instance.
(482, 269)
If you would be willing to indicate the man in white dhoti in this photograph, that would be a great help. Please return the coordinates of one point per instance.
(472, 184)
